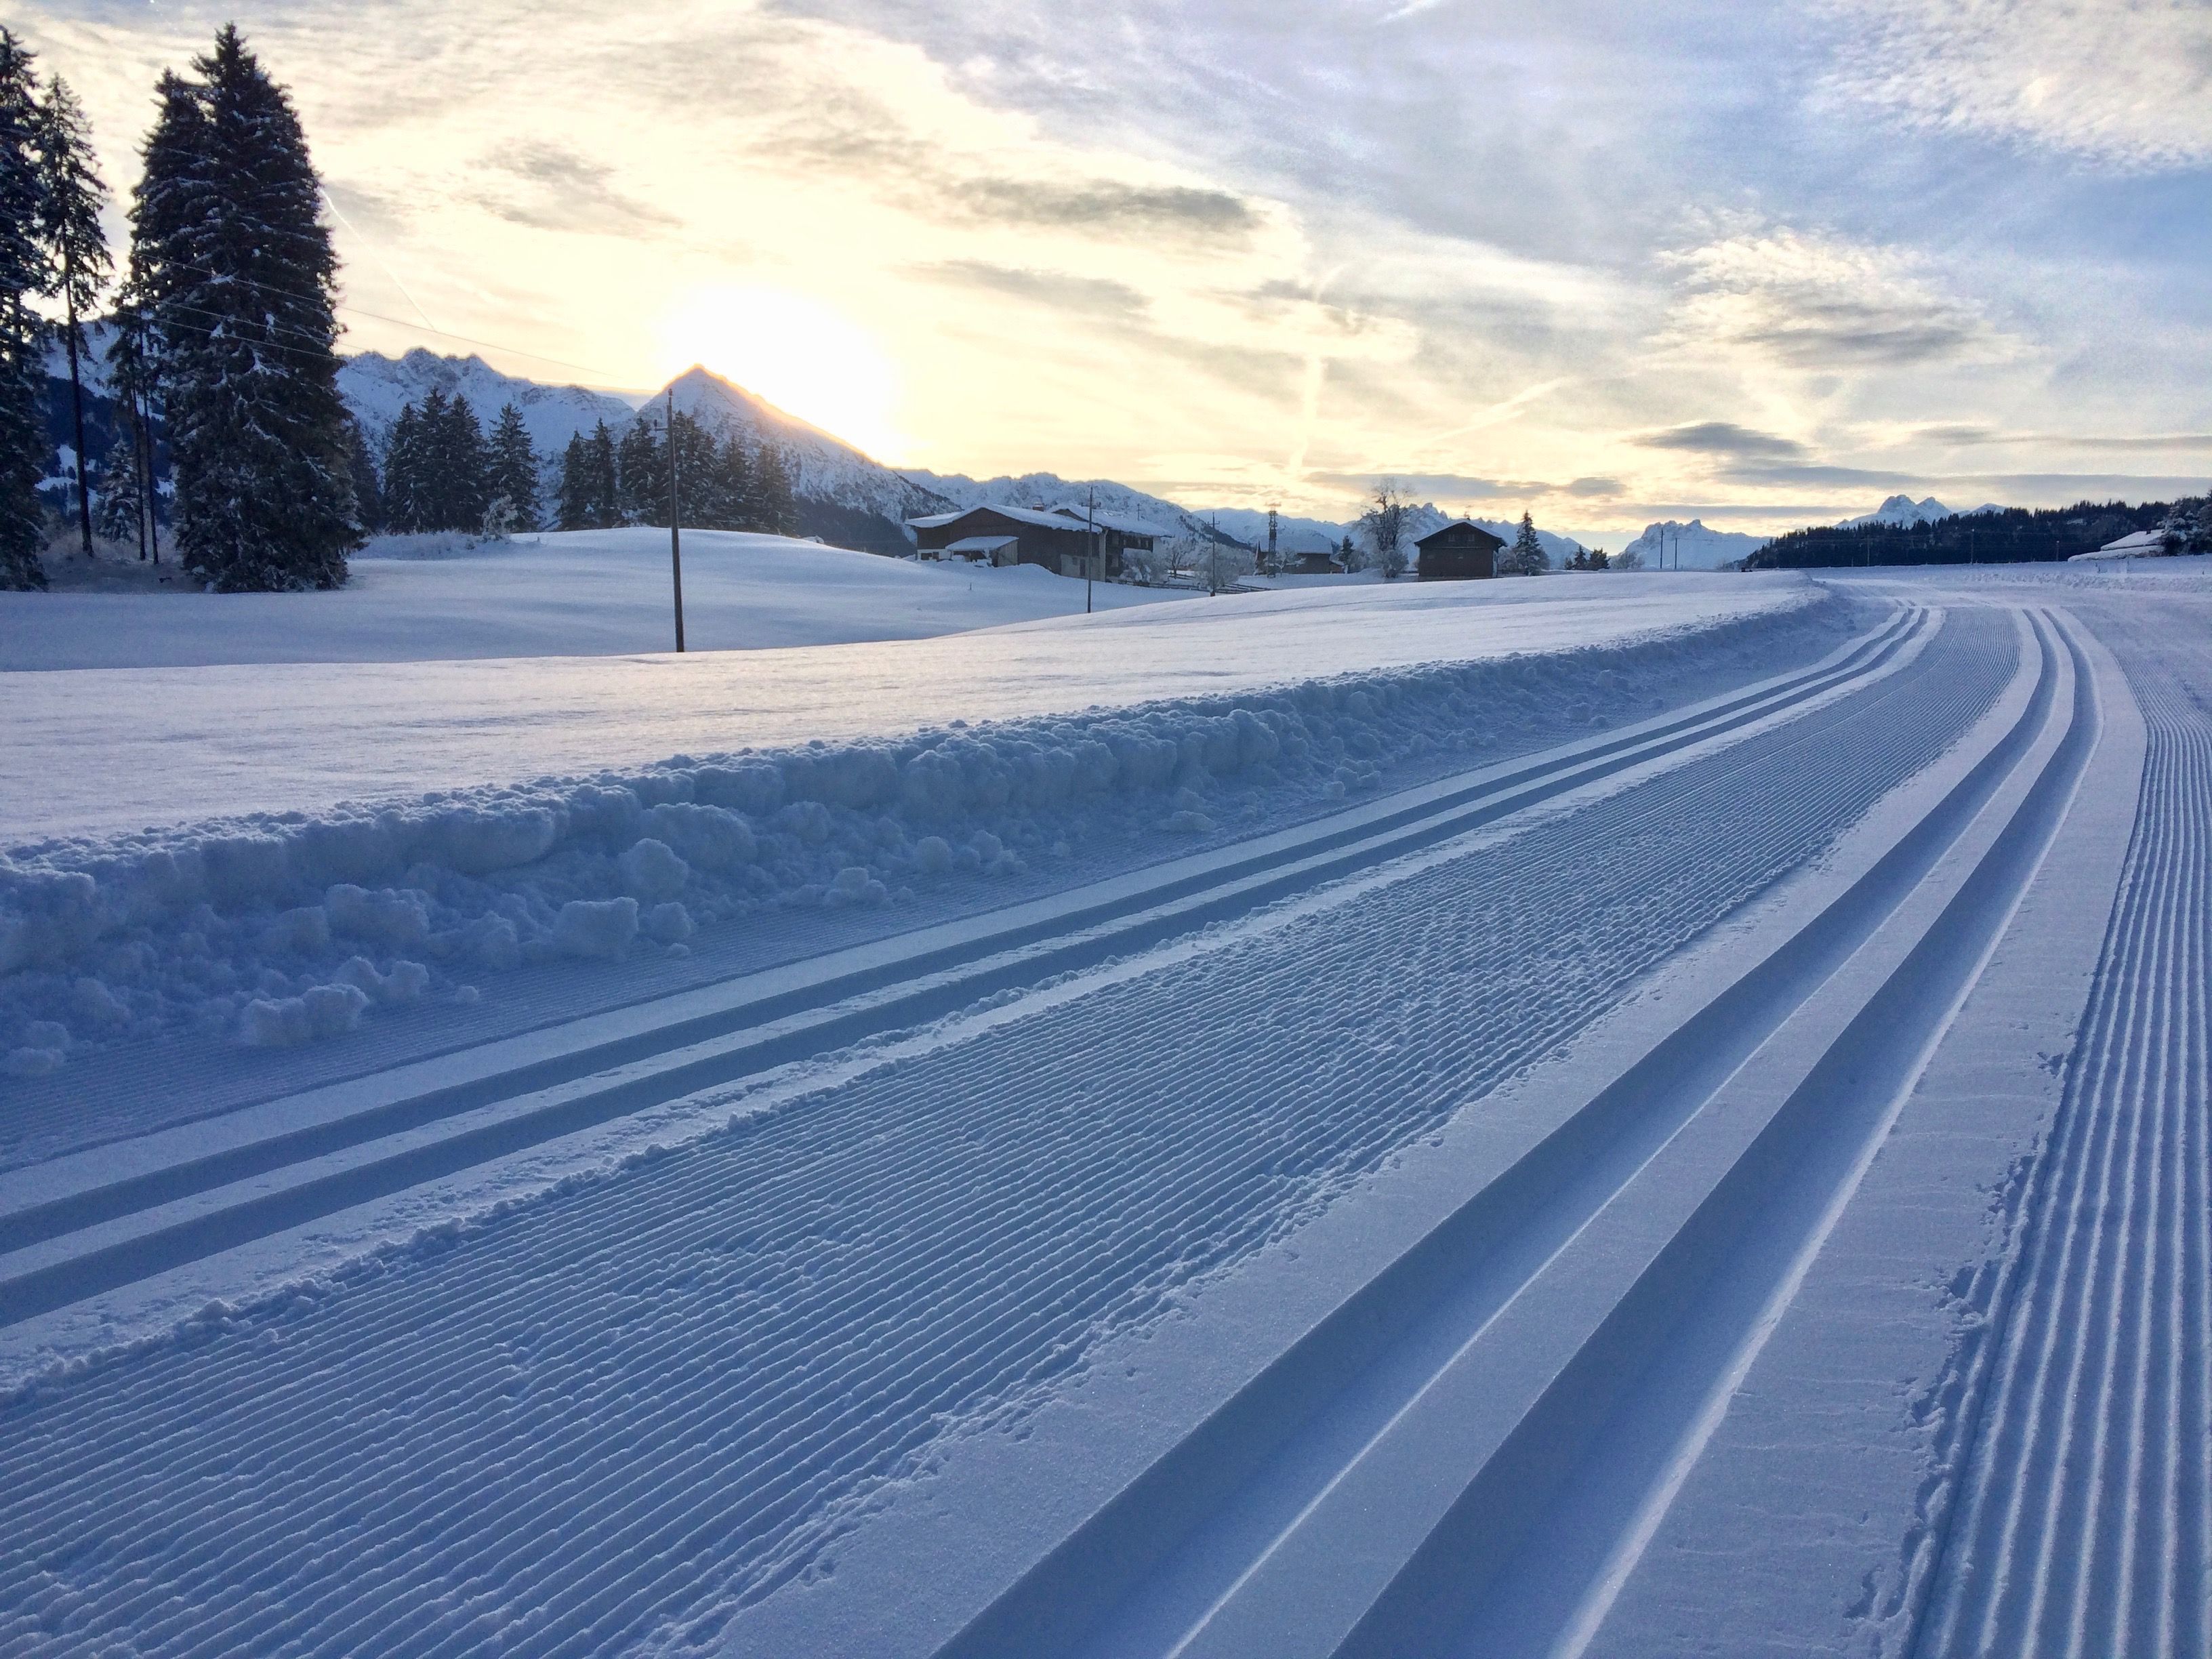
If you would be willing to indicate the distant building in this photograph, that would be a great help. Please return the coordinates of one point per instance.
(1300, 551)
(1059, 540)
(1462, 551)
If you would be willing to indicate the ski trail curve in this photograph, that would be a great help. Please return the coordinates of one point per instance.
(60, 1240)
(2081, 1529)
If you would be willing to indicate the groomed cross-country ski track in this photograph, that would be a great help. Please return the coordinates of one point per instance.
(1734, 1182)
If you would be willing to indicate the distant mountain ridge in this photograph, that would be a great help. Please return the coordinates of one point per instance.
(842, 495)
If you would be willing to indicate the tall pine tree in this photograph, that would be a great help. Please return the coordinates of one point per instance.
(463, 468)
(368, 489)
(1526, 557)
(76, 246)
(23, 276)
(405, 501)
(734, 506)
(131, 456)
(513, 468)
(604, 493)
(774, 510)
(574, 510)
(643, 486)
(240, 278)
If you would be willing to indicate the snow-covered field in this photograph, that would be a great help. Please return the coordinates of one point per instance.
(1631, 1115)
(574, 593)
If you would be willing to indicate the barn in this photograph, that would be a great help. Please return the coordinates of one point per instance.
(1022, 535)
(1462, 551)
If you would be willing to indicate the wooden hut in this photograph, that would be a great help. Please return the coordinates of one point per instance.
(1022, 535)
(1462, 551)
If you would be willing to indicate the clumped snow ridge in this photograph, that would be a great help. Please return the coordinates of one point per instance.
(284, 928)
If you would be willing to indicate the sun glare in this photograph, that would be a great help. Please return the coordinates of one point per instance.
(799, 353)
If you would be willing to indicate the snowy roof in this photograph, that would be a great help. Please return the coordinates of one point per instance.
(980, 543)
(1425, 540)
(2135, 545)
(1128, 526)
(1019, 514)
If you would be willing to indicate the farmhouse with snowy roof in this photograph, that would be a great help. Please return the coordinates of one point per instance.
(1462, 550)
(1059, 540)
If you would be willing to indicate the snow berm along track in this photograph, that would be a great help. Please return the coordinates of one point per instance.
(72, 1226)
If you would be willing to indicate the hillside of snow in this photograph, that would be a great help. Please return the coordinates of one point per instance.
(576, 593)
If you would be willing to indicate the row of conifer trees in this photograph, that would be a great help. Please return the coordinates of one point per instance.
(443, 471)
(225, 324)
(725, 486)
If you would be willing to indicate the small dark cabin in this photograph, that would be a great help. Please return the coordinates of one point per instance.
(1462, 551)
(1017, 535)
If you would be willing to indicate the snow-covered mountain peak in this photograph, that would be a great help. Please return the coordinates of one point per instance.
(377, 388)
(1901, 510)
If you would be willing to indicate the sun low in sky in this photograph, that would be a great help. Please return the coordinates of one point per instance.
(802, 355)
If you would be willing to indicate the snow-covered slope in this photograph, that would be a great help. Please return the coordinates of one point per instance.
(1694, 545)
(566, 594)
(376, 387)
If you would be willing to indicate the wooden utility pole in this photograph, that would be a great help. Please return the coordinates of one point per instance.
(675, 519)
(1090, 543)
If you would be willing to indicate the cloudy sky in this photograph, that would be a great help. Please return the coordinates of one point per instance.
(1610, 262)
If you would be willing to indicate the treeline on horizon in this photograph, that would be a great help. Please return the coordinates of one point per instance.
(2013, 535)
(441, 470)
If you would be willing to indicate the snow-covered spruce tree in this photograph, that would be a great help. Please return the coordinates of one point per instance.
(405, 499)
(23, 276)
(776, 505)
(239, 277)
(462, 466)
(368, 489)
(79, 266)
(604, 486)
(126, 479)
(572, 509)
(2187, 526)
(733, 470)
(1526, 556)
(698, 476)
(642, 486)
(513, 467)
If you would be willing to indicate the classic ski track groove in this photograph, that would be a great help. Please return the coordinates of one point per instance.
(703, 1362)
(546, 1100)
(1125, 1582)
(2080, 1529)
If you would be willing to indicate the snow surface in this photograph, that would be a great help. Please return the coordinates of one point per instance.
(584, 592)
(1461, 1223)
(352, 889)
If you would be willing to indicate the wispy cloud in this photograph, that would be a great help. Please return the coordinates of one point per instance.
(552, 187)
(1814, 302)
(1720, 438)
(2123, 81)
